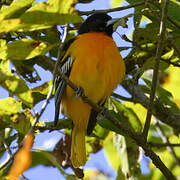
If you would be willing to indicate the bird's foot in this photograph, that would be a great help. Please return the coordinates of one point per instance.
(79, 92)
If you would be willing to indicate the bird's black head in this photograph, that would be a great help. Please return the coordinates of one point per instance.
(97, 22)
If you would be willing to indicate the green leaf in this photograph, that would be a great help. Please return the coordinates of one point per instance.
(46, 158)
(39, 158)
(42, 15)
(44, 88)
(61, 6)
(100, 132)
(172, 83)
(26, 69)
(129, 154)
(105, 123)
(71, 177)
(15, 6)
(31, 48)
(22, 121)
(128, 115)
(15, 85)
(149, 64)
(40, 92)
(9, 106)
(116, 3)
(9, 25)
(120, 145)
(120, 175)
(168, 55)
(165, 97)
(173, 11)
(111, 152)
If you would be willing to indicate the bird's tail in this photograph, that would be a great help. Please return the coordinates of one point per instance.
(78, 148)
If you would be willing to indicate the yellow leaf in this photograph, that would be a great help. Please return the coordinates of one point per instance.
(173, 83)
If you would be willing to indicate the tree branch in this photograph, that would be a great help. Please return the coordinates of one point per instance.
(122, 97)
(160, 111)
(156, 68)
(112, 9)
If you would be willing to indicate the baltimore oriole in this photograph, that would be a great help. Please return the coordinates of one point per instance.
(93, 62)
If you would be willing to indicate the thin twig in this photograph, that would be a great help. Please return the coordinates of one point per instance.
(158, 145)
(50, 63)
(156, 68)
(11, 156)
(112, 9)
(122, 97)
(166, 140)
(6, 162)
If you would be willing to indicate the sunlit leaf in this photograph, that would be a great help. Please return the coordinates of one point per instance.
(9, 25)
(44, 88)
(41, 16)
(31, 48)
(22, 121)
(165, 97)
(139, 109)
(15, 6)
(172, 83)
(121, 148)
(9, 106)
(116, 3)
(168, 55)
(128, 115)
(15, 85)
(100, 132)
(111, 152)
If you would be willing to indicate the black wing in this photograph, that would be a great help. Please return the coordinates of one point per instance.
(60, 84)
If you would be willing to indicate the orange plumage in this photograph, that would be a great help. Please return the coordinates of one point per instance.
(98, 68)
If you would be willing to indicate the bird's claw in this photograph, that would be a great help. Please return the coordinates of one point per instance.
(79, 92)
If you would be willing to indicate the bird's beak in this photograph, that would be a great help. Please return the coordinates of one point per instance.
(112, 21)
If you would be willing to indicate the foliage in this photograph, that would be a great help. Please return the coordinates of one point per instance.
(29, 36)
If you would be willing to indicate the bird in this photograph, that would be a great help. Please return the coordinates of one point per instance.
(91, 61)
